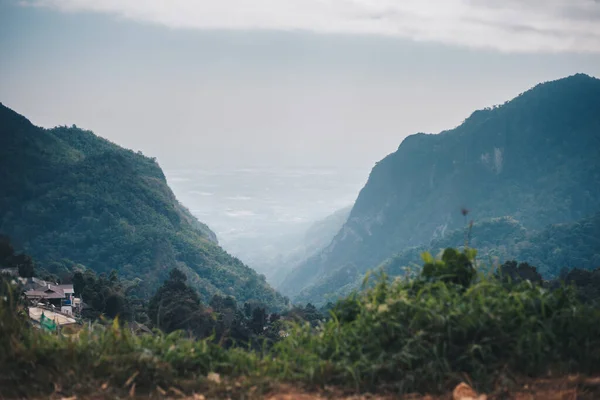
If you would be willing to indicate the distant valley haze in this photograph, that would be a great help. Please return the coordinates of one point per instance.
(269, 116)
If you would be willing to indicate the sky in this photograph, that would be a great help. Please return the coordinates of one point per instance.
(233, 83)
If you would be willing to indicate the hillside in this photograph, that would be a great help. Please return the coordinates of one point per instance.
(74, 198)
(534, 158)
(320, 234)
(552, 250)
(276, 253)
(305, 245)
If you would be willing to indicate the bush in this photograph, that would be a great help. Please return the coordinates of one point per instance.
(430, 331)
(422, 334)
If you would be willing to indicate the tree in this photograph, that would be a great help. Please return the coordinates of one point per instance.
(114, 305)
(78, 283)
(6, 249)
(259, 320)
(176, 306)
(9, 259)
(455, 267)
(514, 272)
(25, 265)
(586, 282)
(102, 295)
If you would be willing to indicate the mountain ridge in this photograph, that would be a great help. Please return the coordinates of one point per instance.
(532, 158)
(74, 198)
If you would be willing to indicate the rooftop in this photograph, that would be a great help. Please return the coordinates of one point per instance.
(49, 291)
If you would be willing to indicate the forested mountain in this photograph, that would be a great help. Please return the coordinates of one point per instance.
(70, 197)
(535, 159)
(552, 250)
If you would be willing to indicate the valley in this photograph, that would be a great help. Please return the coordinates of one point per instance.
(265, 216)
(470, 255)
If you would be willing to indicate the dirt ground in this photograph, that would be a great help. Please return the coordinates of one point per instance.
(564, 388)
(573, 387)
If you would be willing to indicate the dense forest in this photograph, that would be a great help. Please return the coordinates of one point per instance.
(71, 198)
(533, 160)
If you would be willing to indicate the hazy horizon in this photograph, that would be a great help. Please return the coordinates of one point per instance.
(223, 85)
(259, 213)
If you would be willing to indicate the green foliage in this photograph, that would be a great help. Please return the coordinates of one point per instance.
(586, 282)
(309, 313)
(70, 195)
(6, 250)
(9, 259)
(25, 265)
(108, 297)
(498, 240)
(9, 293)
(454, 267)
(33, 362)
(426, 333)
(511, 272)
(419, 334)
(176, 306)
(559, 246)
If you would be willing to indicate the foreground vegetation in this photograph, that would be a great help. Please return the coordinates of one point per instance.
(448, 324)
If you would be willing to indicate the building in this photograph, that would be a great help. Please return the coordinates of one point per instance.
(58, 297)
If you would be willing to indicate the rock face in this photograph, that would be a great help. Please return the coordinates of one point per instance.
(71, 197)
(535, 158)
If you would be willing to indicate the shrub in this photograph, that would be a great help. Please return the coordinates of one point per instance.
(422, 334)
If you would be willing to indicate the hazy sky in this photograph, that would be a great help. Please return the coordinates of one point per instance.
(281, 82)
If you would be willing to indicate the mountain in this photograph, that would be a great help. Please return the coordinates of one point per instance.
(551, 250)
(277, 254)
(70, 197)
(320, 234)
(535, 159)
(313, 240)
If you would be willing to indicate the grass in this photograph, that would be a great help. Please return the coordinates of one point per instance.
(400, 336)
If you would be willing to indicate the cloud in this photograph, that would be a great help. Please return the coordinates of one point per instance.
(504, 25)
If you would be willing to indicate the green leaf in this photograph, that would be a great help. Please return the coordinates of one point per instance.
(427, 257)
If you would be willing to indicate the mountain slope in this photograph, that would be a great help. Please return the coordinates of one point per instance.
(73, 197)
(551, 250)
(320, 234)
(305, 245)
(535, 158)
